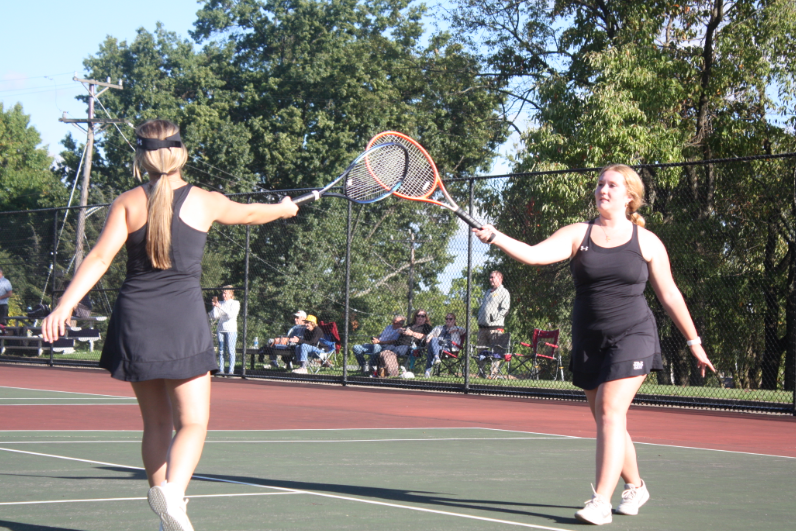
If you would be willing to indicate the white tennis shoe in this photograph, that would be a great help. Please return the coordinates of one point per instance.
(632, 498)
(596, 511)
(169, 505)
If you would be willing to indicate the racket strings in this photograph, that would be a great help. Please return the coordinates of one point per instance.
(376, 174)
(421, 175)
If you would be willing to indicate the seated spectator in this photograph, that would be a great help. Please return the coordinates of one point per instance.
(282, 343)
(372, 349)
(307, 345)
(413, 335)
(444, 337)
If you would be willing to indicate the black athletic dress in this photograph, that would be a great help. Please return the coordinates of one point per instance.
(159, 326)
(614, 334)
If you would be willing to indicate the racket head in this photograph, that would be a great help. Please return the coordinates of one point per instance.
(376, 173)
(422, 177)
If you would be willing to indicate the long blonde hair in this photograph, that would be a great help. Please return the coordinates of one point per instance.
(635, 188)
(157, 164)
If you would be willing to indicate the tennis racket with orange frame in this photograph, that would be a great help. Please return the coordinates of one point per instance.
(422, 178)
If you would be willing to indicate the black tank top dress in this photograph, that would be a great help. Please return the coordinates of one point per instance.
(159, 327)
(614, 334)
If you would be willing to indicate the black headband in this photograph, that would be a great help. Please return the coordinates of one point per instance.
(153, 144)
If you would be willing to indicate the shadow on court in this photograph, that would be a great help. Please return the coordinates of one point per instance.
(19, 526)
(431, 500)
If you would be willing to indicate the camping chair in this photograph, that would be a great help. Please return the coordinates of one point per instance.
(497, 357)
(543, 362)
(450, 360)
(329, 345)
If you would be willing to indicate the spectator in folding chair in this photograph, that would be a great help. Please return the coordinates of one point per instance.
(492, 317)
(372, 349)
(414, 334)
(443, 337)
(308, 345)
(282, 343)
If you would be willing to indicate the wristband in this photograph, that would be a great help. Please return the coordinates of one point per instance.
(692, 342)
(492, 237)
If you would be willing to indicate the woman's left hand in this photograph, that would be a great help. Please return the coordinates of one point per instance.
(702, 359)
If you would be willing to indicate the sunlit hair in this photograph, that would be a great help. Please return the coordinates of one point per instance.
(157, 164)
(635, 188)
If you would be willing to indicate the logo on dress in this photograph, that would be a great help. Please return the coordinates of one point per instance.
(638, 365)
(584, 247)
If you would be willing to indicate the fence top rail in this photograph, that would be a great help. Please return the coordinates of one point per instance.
(471, 178)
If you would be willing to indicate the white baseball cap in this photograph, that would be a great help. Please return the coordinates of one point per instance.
(300, 314)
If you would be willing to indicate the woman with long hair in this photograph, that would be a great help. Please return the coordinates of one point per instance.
(614, 335)
(158, 336)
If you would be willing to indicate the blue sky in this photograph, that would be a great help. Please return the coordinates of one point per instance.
(44, 43)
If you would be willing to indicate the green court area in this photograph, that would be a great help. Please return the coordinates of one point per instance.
(385, 479)
(10, 396)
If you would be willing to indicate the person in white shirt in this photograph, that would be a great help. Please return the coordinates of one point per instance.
(226, 312)
(5, 293)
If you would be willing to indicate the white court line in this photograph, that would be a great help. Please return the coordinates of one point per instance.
(311, 441)
(333, 496)
(660, 444)
(65, 392)
(71, 398)
(141, 498)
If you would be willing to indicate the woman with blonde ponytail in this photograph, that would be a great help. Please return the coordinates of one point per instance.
(614, 335)
(158, 337)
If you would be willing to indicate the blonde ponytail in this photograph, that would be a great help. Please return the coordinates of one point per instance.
(158, 232)
(158, 162)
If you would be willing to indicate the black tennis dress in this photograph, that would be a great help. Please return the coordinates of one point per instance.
(159, 327)
(614, 334)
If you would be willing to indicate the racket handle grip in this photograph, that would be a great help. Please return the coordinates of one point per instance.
(474, 223)
(307, 198)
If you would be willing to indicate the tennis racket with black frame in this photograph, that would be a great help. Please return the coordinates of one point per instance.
(373, 175)
(422, 178)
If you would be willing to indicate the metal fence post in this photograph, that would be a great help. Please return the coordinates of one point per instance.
(468, 299)
(246, 302)
(52, 289)
(347, 308)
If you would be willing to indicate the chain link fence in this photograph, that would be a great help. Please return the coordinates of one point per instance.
(729, 228)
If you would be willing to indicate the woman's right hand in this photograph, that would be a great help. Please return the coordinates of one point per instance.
(702, 359)
(291, 208)
(54, 325)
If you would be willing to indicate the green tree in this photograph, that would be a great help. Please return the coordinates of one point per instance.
(283, 95)
(26, 180)
(652, 82)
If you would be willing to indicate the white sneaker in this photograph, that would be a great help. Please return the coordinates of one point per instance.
(632, 498)
(437, 361)
(301, 370)
(428, 373)
(170, 506)
(597, 511)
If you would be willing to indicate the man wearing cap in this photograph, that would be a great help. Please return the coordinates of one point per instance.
(308, 345)
(283, 343)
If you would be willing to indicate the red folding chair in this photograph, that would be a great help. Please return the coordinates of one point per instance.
(543, 362)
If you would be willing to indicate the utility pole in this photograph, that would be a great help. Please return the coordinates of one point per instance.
(411, 292)
(90, 121)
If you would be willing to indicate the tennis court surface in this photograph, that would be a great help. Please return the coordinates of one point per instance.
(287, 456)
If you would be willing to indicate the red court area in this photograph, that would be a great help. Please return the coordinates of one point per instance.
(263, 405)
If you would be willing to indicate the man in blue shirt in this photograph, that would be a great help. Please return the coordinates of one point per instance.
(5, 293)
(387, 337)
